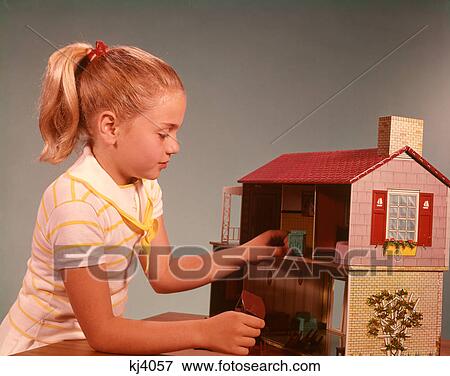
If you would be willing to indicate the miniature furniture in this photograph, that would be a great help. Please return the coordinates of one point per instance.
(377, 238)
(251, 304)
(296, 239)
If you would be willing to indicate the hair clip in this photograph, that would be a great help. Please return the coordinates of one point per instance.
(100, 49)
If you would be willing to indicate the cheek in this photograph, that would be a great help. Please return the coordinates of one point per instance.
(146, 149)
(150, 155)
(139, 138)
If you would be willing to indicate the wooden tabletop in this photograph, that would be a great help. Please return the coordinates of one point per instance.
(81, 347)
(445, 347)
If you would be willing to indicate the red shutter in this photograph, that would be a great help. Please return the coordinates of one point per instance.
(424, 235)
(379, 210)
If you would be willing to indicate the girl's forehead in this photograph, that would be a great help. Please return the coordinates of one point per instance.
(169, 110)
(170, 95)
(170, 104)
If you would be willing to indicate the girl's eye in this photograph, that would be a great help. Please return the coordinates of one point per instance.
(163, 135)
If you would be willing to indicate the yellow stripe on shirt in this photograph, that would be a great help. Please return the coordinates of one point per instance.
(55, 201)
(52, 295)
(16, 327)
(115, 225)
(80, 245)
(121, 259)
(41, 247)
(120, 300)
(44, 279)
(36, 321)
(40, 302)
(44, 209)
(72, 189)
(113, 246)
(103, 208)
(50, 266)
(43, 303)
(71, 223)
(85, 195)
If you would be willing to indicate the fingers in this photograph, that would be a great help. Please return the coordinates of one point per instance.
(246, 342)
(239, 350)
(252, 321)
(280, 251)
(247, 331)
(278, 237)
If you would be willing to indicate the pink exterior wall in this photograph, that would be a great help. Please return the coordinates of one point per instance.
(398, 174)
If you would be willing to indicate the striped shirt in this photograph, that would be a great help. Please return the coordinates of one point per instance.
(84, 218)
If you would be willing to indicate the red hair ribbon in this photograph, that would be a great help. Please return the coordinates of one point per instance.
(100, 49)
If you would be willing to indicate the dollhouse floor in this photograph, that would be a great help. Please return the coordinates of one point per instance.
(276, 343)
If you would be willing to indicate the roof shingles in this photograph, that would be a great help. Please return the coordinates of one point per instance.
(328, 167)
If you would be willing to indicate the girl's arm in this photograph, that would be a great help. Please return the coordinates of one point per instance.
(89, 295)
(173, 274)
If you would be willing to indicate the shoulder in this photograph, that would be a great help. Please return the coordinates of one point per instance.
(152, 187)
(56, 193)
(68, 195)
(154, 193)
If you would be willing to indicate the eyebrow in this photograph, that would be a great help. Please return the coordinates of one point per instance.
(171, 125)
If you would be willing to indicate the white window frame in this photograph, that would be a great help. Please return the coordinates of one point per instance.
(404, 193)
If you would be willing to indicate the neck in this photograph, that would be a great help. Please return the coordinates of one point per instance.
(105, 162)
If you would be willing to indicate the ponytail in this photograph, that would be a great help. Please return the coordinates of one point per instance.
(59, 110)
(125, 80)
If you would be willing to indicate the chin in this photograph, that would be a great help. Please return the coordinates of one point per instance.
(151, 175)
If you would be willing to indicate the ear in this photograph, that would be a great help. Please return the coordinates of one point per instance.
(108, 127)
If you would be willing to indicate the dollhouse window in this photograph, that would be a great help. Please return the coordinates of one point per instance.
(402, 219)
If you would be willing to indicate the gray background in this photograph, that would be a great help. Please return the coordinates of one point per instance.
(251, 70)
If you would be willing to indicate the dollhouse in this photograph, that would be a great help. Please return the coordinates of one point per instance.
(374, 228)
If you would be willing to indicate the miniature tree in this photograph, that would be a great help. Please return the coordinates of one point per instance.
(393, 315)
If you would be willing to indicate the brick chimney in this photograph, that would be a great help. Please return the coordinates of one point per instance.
(394, 132)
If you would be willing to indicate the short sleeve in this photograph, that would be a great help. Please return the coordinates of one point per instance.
(156, 198)
(76, 235)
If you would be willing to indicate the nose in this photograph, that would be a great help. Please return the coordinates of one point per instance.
(172, 146)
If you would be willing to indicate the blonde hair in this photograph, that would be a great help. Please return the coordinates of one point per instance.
(125, 80)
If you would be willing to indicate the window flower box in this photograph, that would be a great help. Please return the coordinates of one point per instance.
(392, 247)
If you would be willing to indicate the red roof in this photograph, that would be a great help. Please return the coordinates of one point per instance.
(329, 167)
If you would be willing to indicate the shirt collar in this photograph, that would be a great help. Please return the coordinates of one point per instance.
(89, 172)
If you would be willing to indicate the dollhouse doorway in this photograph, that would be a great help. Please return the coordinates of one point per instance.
(337, 305)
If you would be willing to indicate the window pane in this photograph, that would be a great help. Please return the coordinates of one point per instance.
(392, 234)
(402, 235)
(394, 200)
(411, 225)
(402, 224)
(402, 212)
(392, 224)
(393, 212)
(411, 213)
(411, 235)
(412, 201)
(402, 200)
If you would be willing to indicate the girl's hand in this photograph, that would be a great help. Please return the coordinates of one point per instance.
(272, 238)
(232, 332)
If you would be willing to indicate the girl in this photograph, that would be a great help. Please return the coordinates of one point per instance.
(126, 107)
